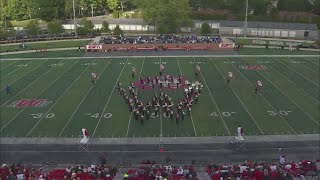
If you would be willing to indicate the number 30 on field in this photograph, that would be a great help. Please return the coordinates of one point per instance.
(41, 115)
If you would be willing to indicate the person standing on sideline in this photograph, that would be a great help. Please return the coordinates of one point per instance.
(8, 89)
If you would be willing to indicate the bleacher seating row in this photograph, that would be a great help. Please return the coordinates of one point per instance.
(150, 171)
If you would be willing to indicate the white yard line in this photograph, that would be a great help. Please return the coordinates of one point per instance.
(7, 65)
(28, 86)
(304, 65)
(15, 71)
(3, 127)
(25, 74)
(265, 99)
(74, 112)
(298, 73)
(312, 61)
(223, 121)
(129, 123)
(194, 128)
(292, 82)
(57, 100)
(287, 96)
(105, 107)
(239, 99)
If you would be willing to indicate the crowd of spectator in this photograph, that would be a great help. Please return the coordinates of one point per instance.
(162, 39)
(265, 171)
(151, 171)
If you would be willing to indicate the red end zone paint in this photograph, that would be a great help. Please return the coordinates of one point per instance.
(173, 85)
(30, 103)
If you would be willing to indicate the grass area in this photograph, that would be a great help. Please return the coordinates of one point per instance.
(24, 23)
(63, 53)
(287, 104)
(44, 45)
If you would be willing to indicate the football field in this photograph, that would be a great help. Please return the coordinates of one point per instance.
(55, 97)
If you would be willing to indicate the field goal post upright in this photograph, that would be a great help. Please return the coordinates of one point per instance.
(84, 140)
(239, 142)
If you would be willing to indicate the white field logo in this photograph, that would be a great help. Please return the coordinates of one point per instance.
(30, 103)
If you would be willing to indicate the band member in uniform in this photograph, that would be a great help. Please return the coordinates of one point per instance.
(171, 115)
(141, 118)
(197, 70)
(94, 78)
(147, 114)
(258, 86)
(119, 85)
(177, 118)
(196, 97)
(230, 77)
(133, 72)
(136, 114)
(161, 69)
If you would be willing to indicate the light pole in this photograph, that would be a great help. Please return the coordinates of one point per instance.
(74, 19)
(92, 10)
(246, 19)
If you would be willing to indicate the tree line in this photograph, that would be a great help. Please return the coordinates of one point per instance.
(166, 15)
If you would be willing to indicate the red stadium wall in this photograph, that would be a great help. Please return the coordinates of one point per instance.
(138, 47)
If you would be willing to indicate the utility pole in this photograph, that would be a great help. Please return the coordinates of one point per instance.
(246, 19)
(92, 10)
(74, 19)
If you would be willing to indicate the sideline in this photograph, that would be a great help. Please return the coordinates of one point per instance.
(166, 140)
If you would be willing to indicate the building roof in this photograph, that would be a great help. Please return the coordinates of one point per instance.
(267, 25)
(251, 24)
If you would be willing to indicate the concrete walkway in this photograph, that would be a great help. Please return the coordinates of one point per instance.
(165, 140)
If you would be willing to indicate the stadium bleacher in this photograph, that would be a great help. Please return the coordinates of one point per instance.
(166, 39)
(148, 170)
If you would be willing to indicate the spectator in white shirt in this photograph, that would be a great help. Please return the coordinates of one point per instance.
(281, 160)
(180, 171)
(273, 167)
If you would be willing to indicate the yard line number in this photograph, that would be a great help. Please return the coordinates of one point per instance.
(265, 62)
(198, 62)
(281, 112)
(225, 114)
(231, 62)
(89, 64)
(125, 63)
(297, 62)
(22, 65)
(159, 62)
(97, 115)
(42, 115)
(55, 65)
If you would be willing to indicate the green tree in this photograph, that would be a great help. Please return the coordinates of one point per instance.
(112, 4)
(260, 7)
(167, 15)
(105, 27)
(55, 27)
(317, 7)
(118, 31)
(51, 9)
(205, 29)
(86, 27)
(68, 8)
(33, 28)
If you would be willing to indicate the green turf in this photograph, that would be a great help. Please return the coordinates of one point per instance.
(287, 104)
(43, 45)
(63, 53)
